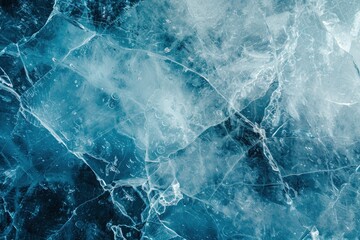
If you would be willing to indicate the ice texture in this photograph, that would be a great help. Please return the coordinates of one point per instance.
(183, 119)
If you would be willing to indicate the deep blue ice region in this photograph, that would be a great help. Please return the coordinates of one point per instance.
(181, 119)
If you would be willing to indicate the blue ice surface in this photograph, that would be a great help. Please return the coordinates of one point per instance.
(184, 119)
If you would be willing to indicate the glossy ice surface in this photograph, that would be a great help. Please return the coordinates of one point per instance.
(181, 119)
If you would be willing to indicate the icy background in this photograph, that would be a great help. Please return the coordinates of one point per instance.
(181, 119)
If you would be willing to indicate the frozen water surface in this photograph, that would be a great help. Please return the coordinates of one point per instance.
(184, 119)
